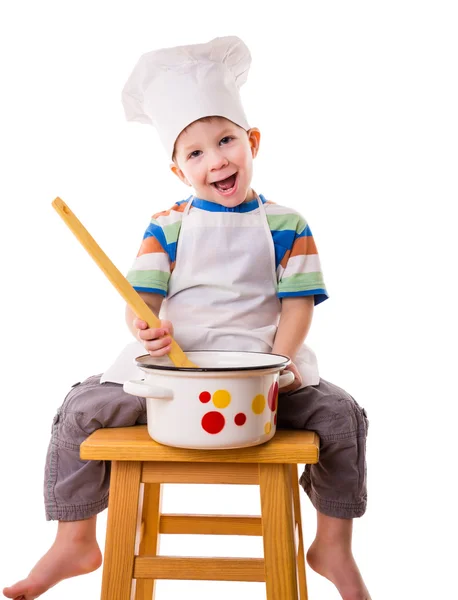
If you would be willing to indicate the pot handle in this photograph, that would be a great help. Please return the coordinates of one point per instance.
(138, 387)
(286, 379)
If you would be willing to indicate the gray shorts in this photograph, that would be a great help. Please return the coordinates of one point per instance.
(75, 489)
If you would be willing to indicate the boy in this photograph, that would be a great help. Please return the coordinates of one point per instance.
(237, 273)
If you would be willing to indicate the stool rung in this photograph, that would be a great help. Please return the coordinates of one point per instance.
(167, 472)
(205, 569)
(210, 524)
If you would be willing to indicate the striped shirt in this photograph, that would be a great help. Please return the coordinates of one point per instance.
(296, 257)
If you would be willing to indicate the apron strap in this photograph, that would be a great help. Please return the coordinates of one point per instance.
(188, 206)
(270, 240)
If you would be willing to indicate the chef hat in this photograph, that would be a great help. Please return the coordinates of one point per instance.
(172, 87)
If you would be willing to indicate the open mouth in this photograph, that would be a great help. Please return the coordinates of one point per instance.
(226, 186)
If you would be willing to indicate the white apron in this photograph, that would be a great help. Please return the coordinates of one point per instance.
(222, 293)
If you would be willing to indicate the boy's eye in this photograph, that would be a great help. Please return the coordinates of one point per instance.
(226, 139)
(194, 154)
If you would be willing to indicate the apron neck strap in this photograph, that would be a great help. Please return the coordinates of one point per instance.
(188, 206)
(192, 198)
(260, 203)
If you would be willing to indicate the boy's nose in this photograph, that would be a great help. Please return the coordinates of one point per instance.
(217, 161)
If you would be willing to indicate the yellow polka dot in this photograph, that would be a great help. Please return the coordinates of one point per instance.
(258, 404)
(221, 398)
(267, 427)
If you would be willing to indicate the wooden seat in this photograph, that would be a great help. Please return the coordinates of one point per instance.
(140, 466)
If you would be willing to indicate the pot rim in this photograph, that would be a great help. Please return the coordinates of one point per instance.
(280, 365)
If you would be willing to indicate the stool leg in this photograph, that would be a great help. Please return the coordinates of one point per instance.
(149, 542)
(278, 531)
(118, 563)
(298, 520)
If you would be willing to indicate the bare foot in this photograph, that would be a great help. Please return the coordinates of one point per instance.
(69, 556)
(337, 564)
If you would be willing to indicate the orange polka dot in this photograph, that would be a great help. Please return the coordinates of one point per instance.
(221, 398)
(258, 405)
(267, 427)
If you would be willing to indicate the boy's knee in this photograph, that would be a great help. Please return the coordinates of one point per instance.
(352, 415)
(112, 410)
(91, 405)
(346, 419)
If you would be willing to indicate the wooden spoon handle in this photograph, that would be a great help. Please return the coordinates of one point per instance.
(136, 303)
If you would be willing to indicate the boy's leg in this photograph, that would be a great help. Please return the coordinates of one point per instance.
(336, 485)
(76, 490)
(74, 552)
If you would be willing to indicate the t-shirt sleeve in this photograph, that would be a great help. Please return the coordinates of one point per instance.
(155, 260)
(298, 264)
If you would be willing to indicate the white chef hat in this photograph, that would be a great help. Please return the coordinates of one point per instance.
(173, 87)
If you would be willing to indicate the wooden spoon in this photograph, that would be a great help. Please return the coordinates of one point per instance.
(133, 299)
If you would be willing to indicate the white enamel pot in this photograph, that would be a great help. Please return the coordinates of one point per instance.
(230, 401)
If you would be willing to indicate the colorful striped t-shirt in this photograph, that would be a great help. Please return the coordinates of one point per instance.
(296, 257)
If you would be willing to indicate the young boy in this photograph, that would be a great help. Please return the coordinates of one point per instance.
(225, 270)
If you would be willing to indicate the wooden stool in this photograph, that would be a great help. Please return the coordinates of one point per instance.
(137, 459)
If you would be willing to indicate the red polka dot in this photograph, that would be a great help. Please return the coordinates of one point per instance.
(213, 422)
(240, 419)
(275, 418)
(205, 397)
(273, 396)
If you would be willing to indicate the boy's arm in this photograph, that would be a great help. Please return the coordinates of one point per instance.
(154, 302)
(293, 327)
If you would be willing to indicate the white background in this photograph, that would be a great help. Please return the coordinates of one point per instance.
(357, 105)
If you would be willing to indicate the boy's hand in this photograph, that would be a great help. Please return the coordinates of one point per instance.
(157, 341)
(296, 384)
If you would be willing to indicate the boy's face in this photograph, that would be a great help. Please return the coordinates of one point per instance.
(215, 157)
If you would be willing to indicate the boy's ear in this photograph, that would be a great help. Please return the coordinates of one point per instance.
(254, 139)
(179, 173)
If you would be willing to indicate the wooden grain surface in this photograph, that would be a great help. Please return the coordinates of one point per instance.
(210, 524)
(216, 569)
(121, 531)
(278, 532)
(300, 550)
(134, 443)
(215, 473)
(145, 589)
